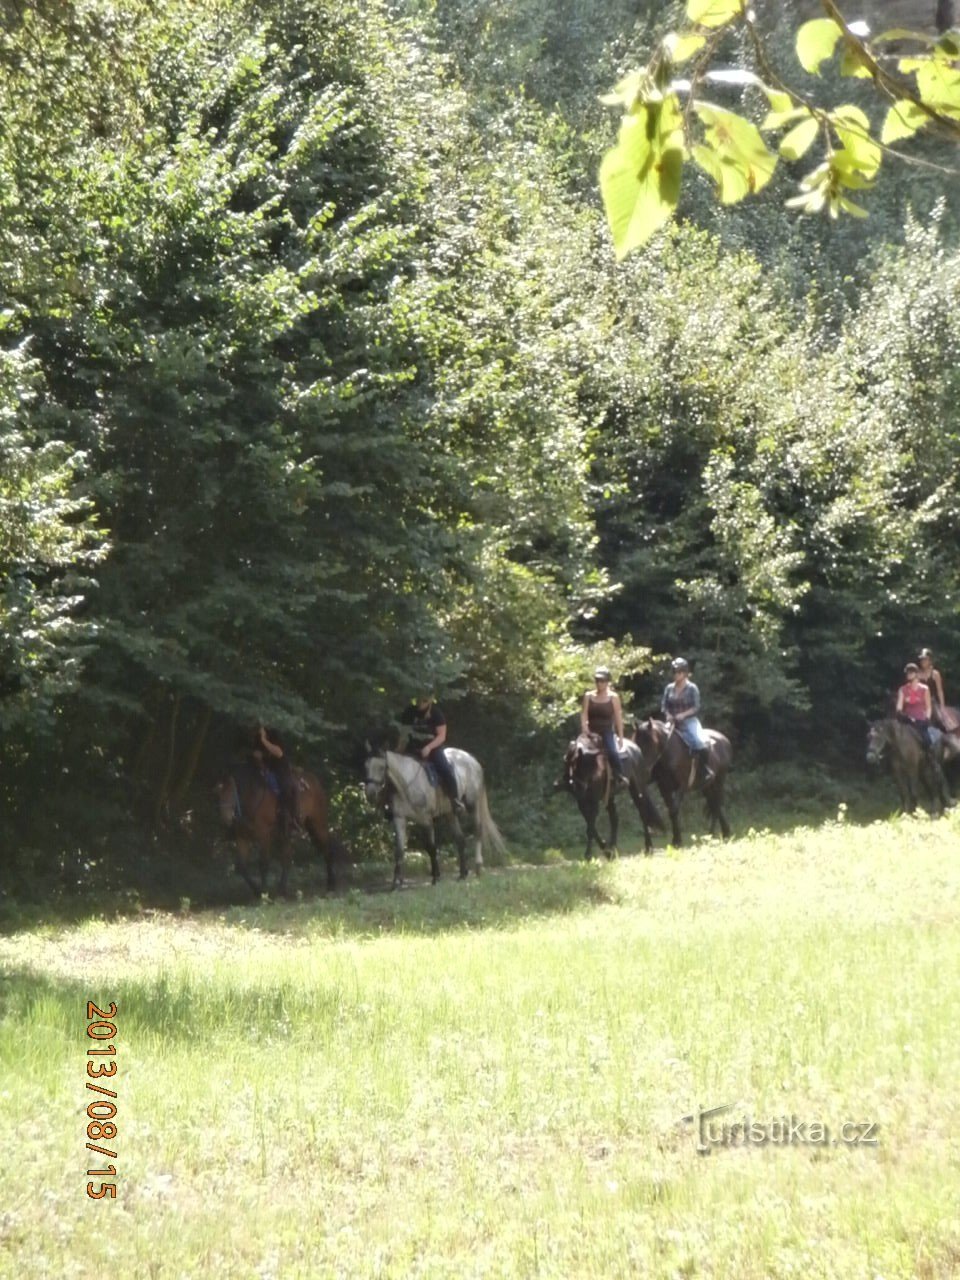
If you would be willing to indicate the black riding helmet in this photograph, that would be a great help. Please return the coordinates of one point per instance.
(680, 664)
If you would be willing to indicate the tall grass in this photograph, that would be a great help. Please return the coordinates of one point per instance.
(490, 1079)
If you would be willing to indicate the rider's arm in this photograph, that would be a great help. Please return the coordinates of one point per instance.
(275, 751)
(437, 741)
(617, 716)
(585, 714)
(938, 681)
(899, 706)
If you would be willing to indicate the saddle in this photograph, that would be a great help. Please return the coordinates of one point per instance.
(588, 744)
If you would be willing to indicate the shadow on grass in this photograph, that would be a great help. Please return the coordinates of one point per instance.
(499, 899)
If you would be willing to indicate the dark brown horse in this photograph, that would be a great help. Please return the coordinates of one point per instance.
(911, 764)
(587, 774)
(248, 810)
(675, 771)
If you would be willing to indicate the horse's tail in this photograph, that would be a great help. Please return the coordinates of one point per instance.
(489, 831)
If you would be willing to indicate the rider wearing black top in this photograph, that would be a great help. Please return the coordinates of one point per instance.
(426, 734)
(271, 755)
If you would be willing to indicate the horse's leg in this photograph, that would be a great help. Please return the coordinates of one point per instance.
(941, 790)
(588, 807)
(636, 795)
(432, 850)
(714, 798)
(324, 846)
(614, 819)
(900, 781)
(242, 864)
(399, 848)
(285, 858)
(671, 800)
(724, 824)
(460, 841)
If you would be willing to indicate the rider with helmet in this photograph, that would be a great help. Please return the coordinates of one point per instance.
(915, 705)
(601, 713)
(426, 735)
(680, 705)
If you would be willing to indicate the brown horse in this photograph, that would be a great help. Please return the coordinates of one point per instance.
(248, 810)
(675, 771)
(587, 774)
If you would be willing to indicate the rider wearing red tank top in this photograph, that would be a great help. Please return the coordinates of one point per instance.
(913, 702)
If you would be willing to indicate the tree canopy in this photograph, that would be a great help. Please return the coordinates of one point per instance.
(320, 385)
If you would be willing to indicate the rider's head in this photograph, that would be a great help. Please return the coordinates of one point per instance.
(602, 675)
(926, 658)
(424, 700)
(680, 664)
(911, 670)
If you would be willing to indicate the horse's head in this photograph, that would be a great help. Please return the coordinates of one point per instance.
(649, 734)
(228, 801)
(878, 739)
(375, 778)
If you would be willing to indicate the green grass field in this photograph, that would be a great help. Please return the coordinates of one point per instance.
(489, 1079)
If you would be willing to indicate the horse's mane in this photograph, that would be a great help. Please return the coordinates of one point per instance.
(394, 761)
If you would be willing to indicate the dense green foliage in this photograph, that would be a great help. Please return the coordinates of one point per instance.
(320, 384)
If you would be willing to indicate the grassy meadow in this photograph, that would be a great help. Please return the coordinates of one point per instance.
(489, 1079)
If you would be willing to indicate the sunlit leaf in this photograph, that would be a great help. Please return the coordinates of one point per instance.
(902, 121)
(713, 13)
(853, 129)
(680, 46)
(849, 206)
(626, 91)
(939, 86)
(738, 144)
(854, 62)
(779, 101)
(816, 41)
(777, 119)
(640, 176)
(731, 176)
(799, 140)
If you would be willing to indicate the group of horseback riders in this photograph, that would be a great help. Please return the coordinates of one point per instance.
(424, 737)
(920, 703)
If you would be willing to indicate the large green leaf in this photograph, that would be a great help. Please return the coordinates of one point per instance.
(902, 121)
(640, 176)
(713, 13)
(853, 129)
(939, 85)
(816, 41)
(799, 140)
(739, 148)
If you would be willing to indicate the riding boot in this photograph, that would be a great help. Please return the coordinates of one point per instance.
(453, 795)
(705, 775)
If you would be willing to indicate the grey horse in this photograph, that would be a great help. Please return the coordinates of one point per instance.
(402, 784)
